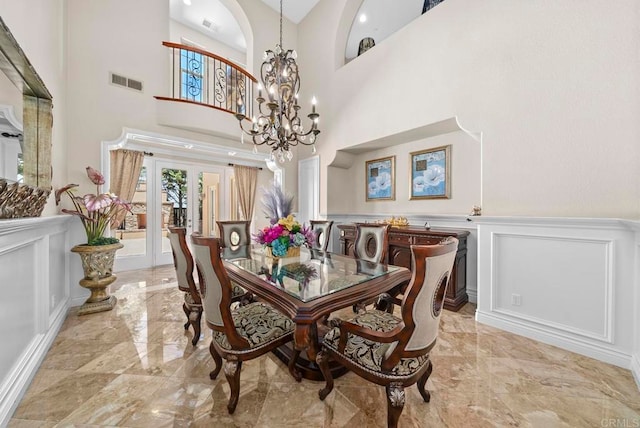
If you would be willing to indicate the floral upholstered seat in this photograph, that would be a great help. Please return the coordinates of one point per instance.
(257, 322)
(369, 354)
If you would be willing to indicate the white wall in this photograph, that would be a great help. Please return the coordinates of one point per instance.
(535, 77)
(39, 28)
(465, 180)
(98, 110)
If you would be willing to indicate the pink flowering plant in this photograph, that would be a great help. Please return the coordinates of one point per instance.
(282, 235)
(94, 210)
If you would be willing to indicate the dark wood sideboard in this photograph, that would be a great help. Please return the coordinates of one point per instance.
(399, 254)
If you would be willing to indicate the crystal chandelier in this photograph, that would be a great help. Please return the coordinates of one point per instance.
(278, 124)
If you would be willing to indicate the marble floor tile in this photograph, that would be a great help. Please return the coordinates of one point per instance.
(135, 366)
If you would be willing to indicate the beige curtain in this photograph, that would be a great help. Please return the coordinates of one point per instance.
(246, 183)
(125, 171)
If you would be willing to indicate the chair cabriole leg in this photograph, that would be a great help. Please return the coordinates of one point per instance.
(186, 312)
(197, 317)
(426, 396)
(232, 370)
(217, 361)
(395, 403)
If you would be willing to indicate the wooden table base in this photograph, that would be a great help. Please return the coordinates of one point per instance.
(309, 369)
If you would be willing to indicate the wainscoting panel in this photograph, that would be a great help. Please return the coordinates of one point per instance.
(567, 282)
(35, 298)
(18, 323)
(535, 276)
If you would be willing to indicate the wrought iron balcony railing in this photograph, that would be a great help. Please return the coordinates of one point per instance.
(201, 77)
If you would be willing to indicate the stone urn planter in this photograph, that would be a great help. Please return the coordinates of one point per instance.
(97, 263)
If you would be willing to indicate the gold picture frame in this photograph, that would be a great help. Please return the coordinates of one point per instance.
(430, 173)
(380, 179)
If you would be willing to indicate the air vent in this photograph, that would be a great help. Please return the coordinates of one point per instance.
(126, 82)
(209, 25)
(118, 80)
(134, 84)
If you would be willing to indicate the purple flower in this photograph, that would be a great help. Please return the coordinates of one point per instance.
(60, 191)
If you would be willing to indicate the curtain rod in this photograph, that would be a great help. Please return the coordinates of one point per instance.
(233, 164)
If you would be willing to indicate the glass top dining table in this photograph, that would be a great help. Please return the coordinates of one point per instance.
(311, 275)
(308, 288)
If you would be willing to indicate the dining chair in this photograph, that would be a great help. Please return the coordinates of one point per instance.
(372, 241)
(239, 334)
(234, 233)
(183, 263)
(394, 351)
(322, 232)
(235, 236)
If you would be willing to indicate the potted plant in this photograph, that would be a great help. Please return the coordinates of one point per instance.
(95, 211)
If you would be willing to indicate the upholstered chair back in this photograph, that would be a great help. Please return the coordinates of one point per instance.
(216, 289)
(371, 242)
(234, 233)
(425, 293)
(322, 232)
(215, 286)
(182, 259)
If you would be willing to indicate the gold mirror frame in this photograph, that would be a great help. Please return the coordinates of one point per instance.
(19, 200)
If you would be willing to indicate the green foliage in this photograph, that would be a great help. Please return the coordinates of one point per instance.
(174, 182)
(104, 240)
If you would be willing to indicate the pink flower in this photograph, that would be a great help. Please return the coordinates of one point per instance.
(116, 200)
(62, 190)
(95, 203)
(95, 176)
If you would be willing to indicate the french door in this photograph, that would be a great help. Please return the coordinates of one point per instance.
(188, 195)
(171, 193)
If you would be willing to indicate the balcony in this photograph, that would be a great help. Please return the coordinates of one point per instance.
(203, 79)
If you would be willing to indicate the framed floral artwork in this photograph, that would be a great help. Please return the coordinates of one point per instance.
(431, 173)
(380, 180)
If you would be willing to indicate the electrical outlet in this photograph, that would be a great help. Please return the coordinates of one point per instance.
(516, 299)
(53, 301)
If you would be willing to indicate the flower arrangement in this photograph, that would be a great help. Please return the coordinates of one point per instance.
(94, 210)
(285, 234)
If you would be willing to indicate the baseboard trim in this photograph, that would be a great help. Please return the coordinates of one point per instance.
(77, 301)
(579, 346)
(19, 379)
(473, 296)
(635, 369)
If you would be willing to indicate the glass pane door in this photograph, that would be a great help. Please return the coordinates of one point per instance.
(191, 196)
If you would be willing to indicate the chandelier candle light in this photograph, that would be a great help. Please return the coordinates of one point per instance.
(278, 124)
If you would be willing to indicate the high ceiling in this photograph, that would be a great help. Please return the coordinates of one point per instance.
(383, 18)
(294, 10)
(223, 28)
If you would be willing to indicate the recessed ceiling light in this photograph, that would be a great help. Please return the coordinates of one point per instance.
(187, 2)
(363, 17)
